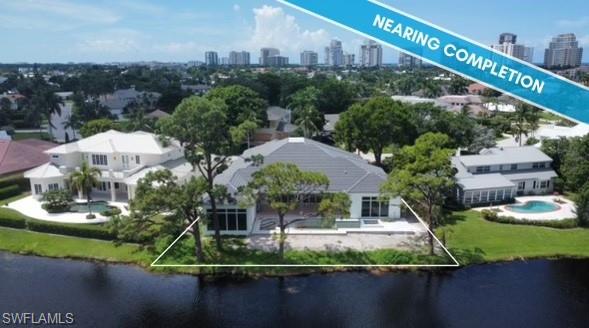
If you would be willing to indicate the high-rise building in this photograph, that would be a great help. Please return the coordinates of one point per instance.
(241, 58)
(277, 61)
(349, 59)
(224, 61)
(211, 58)
(370, 54)
(563, 51)
(508, 45)
(334, 54)
(408, 61)
(309, 58)
(266, 53)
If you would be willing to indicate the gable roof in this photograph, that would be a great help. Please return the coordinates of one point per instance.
(16, 156)
(112, 141)
(346, 172)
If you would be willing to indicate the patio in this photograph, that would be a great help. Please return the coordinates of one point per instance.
(31, 207)
(566, 209)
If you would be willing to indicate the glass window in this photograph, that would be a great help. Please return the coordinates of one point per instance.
(476, 196)
(513, 167)
(230, 219)
(492, 195)
(521, 185)
(373, 207)
(467, 197)
(484, 195)
(99, 160)
(137, 159)
(52, 186)
(38, 189)
(241, 221)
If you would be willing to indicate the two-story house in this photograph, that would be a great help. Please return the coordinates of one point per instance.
(497, 175)
(122, 158)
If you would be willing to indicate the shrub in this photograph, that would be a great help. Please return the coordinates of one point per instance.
(19, 180)
(9, 191)
(78, 230)
(90, 216)
(112, 211)
(560, 224)
(56, 201)
(12, 219)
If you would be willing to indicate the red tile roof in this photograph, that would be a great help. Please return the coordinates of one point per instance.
(16, 156)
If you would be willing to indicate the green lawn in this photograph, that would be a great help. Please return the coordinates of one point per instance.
(28, 242)
(474, 239)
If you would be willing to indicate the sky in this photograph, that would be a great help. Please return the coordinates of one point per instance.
(50, 31)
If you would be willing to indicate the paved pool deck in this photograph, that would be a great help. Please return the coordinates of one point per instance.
(567, 209)
(31, 207)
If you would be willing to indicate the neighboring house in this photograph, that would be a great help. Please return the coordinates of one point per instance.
(123, 158)
(330, 122)
(497, 175)
(476, 89)
(456, 103)
(157, 114)
(118, 100)
(347, 173)
(279, 126)
(14, 99)
(556, 132)
(197, 89)
(419, 100)
(500, 107)
(59, 120)
(21, 155)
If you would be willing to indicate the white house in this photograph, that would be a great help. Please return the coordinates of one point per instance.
(118, 100)
(553, 131)
(123, 158)
(347, 173)
(497, 175)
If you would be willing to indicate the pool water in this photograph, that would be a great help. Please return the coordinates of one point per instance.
(97, 207)
(534, 206)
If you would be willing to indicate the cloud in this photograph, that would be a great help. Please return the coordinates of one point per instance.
(236, 7)
(574, 23)
(112, 41)
(274, 28)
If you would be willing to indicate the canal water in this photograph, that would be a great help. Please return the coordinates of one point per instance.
(519, 294)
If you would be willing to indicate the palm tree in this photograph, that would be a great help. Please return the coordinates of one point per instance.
(50, 104)
(73, 122)
(308, 119)
(84, 179)
(525, 120)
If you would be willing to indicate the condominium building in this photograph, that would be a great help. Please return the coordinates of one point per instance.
(211, 58)
(309, 58)
(240, 58)
(370, 54)
(266, 53)
(563, 51)
(334, 54)
(408, 61)
(508, 45)
(277, 61)
(349, 59)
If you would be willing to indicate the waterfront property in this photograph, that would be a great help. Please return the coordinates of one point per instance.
(122, 158)
(346, 172)
(498, 175)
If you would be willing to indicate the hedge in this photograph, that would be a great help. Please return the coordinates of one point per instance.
(18, 180)
(12, 219)
(556, 224)
(78, 230)
(9, 191)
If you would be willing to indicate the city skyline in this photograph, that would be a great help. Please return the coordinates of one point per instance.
(125, 31)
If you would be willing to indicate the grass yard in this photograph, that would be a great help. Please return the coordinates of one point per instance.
(28, 242)
(31, 135)
(474, 239)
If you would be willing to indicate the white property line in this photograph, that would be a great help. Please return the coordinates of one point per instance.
(408, 51)
(454, 265)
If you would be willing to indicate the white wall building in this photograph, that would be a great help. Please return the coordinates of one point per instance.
(122, 158)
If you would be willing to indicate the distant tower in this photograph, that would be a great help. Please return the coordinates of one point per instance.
(211, 58)
(563, 51)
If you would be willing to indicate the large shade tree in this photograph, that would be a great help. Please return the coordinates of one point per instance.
(423, 175)
(374, 125)
(284, 187)
(242, 104)
(202, 128)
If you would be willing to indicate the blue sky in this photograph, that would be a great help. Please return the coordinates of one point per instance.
(181, 30)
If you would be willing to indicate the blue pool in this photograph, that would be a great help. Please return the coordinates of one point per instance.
(533, 206)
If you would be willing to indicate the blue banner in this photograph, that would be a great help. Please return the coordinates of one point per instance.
(454, 53)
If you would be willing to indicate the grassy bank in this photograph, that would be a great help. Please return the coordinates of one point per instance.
(474, 239)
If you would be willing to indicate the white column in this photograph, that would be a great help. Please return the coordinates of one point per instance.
(113, 193)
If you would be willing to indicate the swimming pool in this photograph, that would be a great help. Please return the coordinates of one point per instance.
(533, 206)
(97, 207)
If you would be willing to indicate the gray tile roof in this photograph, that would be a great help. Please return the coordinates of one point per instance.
(531, 174)
(484, 181)
(346, 172)
(505, 155)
